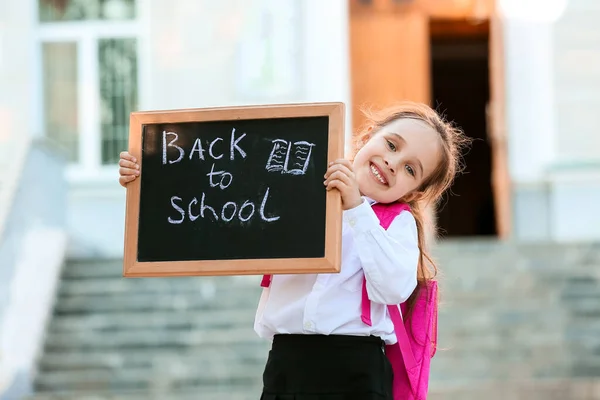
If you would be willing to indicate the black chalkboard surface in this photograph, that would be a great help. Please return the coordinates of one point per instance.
(234, 191)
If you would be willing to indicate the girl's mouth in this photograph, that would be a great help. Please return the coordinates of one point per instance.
(377, 174)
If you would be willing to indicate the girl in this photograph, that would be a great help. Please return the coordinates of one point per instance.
(321, 348)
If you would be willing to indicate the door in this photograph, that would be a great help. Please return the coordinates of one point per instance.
(497, 134)
(390, 60)
(389, 54)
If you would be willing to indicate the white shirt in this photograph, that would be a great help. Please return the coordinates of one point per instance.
(331, 303)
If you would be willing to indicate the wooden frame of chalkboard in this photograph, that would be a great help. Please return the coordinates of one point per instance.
(145, 241)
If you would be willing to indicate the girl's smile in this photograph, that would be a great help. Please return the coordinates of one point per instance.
(378, 174)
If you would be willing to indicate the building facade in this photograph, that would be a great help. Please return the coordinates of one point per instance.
(73, 70)
(522, 77)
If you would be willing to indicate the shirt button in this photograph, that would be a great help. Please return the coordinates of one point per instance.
(308, 325)
(352, 221)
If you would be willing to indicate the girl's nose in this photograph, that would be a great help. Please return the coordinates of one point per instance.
(389, 166)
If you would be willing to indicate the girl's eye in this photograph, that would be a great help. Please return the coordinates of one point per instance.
(410, 170)
(391, 145)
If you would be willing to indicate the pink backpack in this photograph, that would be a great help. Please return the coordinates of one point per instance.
(411, 356)
(417, 336)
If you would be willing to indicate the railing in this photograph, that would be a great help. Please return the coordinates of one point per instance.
(33, 239)
(13, 153)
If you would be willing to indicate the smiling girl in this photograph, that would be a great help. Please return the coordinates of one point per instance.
(322, 349)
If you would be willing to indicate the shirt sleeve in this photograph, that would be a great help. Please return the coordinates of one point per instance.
(389, 258)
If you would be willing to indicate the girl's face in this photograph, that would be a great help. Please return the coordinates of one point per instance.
(397, 159)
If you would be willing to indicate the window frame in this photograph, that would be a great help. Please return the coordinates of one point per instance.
(86, 35)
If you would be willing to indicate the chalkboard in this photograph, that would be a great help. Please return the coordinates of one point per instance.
(233, 191)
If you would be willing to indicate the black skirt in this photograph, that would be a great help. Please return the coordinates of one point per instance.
(334, 367)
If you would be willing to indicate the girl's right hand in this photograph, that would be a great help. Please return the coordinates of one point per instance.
(129, 169)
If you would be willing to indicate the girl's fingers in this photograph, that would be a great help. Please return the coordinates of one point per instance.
(341, 176)
(124, 155)
(124, 180)
(128, 172)
(128, 169)
(344, 162)
(128, 164)
(336, 184)
(339, 168)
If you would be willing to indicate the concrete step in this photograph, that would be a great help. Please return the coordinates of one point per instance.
(206, 392)
(474, 364)
(546, 257)
(509, 324)
(220, 355)
(158, 320)
(148, 339)
(148, 302)
(581, 295)
(174, 376)
(206, 286)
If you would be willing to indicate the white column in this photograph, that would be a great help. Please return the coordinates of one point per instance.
(89, 103)
(17, 113)
(325, 36)
(529, 99)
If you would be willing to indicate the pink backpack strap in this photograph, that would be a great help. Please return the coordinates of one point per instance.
(386, 214)
(365, 305)
(266, 281)
(402, 337)
(401, 355)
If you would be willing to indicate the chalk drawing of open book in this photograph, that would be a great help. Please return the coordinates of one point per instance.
(289, 158)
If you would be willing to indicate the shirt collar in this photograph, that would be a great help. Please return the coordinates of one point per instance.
(369, 200)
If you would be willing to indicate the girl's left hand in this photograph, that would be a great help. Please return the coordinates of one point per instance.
(340, 176)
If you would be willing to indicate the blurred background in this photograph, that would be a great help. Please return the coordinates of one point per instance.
(520, 239)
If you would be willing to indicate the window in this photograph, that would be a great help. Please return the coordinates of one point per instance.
(60, 95)
(118, 94)
(85, 10)
(90, 72)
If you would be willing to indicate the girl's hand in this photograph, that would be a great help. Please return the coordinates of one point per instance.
(129, 169)
(340, 176)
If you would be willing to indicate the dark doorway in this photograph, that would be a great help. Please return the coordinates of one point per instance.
(460, 91)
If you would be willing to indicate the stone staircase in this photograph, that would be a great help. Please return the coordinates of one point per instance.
(516, 321)
(151, 337)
